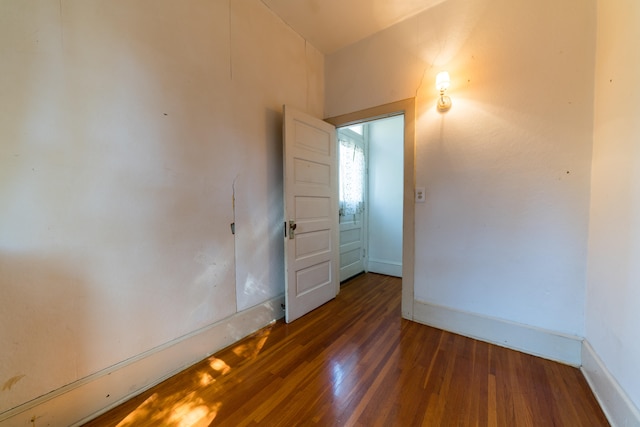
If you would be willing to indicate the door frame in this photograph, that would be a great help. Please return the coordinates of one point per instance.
(406, 107)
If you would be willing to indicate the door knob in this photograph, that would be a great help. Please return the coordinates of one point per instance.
(292, 228)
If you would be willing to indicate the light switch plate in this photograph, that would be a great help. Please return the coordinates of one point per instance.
(420, 195)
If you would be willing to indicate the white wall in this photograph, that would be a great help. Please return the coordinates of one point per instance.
(503, 233)
(386, 144)
(123, 129)
(613, 293)
(272, 66)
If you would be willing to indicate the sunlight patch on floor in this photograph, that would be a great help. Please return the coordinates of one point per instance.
(199, 407)
(190, 411)
(219, 365)
(252, 348)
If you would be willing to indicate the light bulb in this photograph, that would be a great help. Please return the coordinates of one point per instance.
(442, 80)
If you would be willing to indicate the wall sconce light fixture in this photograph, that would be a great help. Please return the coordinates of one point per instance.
(442, 84)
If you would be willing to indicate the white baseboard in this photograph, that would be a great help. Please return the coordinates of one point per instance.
(527, 339)
(79, 402)
(381, 266)
(619, 409)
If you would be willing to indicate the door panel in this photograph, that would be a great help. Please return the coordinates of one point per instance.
(352, 253)
(311, 244)
(312, 173)
(312, 278)
(311, 213)
(353, 202)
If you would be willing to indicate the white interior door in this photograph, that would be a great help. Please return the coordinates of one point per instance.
(311, 213)
(352, 165)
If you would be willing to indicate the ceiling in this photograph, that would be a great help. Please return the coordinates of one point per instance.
(330, 25)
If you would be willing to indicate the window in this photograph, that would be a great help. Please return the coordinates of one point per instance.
(352, 172)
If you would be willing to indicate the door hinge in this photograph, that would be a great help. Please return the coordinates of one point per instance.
(233, 228)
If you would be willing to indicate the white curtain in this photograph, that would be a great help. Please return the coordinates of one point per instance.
(351, 177)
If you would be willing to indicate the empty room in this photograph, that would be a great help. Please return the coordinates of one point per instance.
(171, 219)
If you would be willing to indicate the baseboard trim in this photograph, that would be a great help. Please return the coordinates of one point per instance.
(381, 266)
(618, 408)
(527, 339)
(83, 400)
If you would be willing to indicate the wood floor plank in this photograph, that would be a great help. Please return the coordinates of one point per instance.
(355, 362)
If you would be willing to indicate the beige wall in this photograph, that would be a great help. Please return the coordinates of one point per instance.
(503, 233)
(613, 291)
(126, 131)
(123, 130)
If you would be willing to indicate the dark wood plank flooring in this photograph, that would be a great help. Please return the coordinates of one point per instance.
(355, 362)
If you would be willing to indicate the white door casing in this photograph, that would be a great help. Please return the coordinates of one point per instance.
(408, 108)
(311, 213)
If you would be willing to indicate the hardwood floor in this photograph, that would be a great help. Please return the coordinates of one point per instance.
(355, 362)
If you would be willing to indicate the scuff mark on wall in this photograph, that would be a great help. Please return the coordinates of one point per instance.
(233, 200)
(11, 382)
(230, 47)
(60, 17)
(424, 71)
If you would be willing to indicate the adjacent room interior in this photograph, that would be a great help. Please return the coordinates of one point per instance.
(371, 190)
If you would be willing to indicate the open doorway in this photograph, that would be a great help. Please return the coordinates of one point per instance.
(406, 107)
(371, 189)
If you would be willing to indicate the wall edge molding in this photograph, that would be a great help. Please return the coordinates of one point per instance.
(616, 405)
(381, 266)
(89, 397)
(528, 339)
